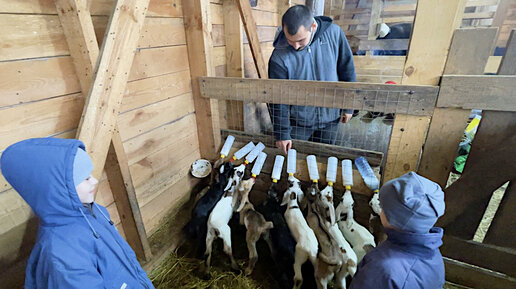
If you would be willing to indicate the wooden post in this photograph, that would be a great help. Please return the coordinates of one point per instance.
(234, 60)
(448, 124)
(199, 43)
(252, 36)
(80, 35)
(426, 58)
(283, 6)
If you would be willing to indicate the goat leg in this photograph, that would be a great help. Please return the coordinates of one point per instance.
(251, 238)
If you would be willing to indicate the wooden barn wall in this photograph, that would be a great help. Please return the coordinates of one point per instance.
(40, 96)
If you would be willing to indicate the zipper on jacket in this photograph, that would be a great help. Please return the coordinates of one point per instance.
(319, 113)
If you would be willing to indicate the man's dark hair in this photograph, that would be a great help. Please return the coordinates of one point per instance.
(295, 17)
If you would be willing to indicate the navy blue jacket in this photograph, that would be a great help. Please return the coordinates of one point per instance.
(76, 247)
(327, 58)
(405, 260)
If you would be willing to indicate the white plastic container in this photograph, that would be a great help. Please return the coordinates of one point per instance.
(278, 167)
(227, 146)
(243, 151)
(258, 165)
(331, 170)
(347, 174)
(291, 161)
(313, 171)
(254, 153)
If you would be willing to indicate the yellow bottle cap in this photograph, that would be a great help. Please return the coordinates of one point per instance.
(348, 188)
(274, 180)
(234, 158)
(330, 184)
(290, 174)
(222, 156)
(246, 162)
(315, 181)
(376, 191)
(254, 176)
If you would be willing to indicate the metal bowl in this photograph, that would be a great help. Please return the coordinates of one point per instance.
(201, 168)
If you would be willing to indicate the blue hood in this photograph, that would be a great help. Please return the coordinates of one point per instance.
(41, 171)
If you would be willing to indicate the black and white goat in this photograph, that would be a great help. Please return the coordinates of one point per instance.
(217, 226)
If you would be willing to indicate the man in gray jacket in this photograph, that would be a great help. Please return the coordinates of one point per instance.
(309, 48)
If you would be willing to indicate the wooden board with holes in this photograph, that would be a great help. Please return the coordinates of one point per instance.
(414, 100)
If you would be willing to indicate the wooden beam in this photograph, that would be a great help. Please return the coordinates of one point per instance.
(478, 92)
(116, 56)
(234, 60)
(306, 147)
(124, 194)
(283, 6)
(198, 38)
(374, 20)
(500, 15)
(474, 277)
(384, 44)
(410, 99)
(448, 124)
(486, 256)
(426, 58)
(254, 42)
(80, 35)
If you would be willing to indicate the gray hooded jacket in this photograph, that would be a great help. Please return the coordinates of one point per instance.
(327, 58)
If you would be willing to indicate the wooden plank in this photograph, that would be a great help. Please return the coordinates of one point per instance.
(384, 44)
(154, 89)
(430, 41)
(162, 8)
(32, 80)
(138, 121)
(254, 42)
(234, 60)
(501, 231)
(99, 116)
(479, 92)
(400, 19)
(376, 10)
(492, 64)
(378, 78)
(478, 15)
(265, 34)
(164, 60)
(482, 255)
(198, 37)
(474, 3)
(416, 100)
(29, 36)
(508, 65)
(40, 119)
(448, 124)
(80, 36)
(249, 64)
(306, 147)
(168, 201)
(474, 277)
(127, 206)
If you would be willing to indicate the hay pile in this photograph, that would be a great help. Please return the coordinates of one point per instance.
(182, 272)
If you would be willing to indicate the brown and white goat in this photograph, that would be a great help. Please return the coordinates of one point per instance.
(254, 222)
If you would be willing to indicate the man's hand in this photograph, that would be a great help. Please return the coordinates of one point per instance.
(346, 117)
(285, 145)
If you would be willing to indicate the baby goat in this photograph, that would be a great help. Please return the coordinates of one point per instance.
(375, 224)
(307, 246)
(196, 227)
(336, 258)
(359, 237)
(219, 218)
(283, 244)
(254, 222)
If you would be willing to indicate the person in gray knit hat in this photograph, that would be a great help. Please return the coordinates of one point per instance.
(410, 257)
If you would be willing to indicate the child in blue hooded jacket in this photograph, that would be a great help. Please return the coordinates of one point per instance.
(77, 244)
(410, 257)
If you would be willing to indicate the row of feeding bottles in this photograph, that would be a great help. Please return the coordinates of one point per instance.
(254, 152)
